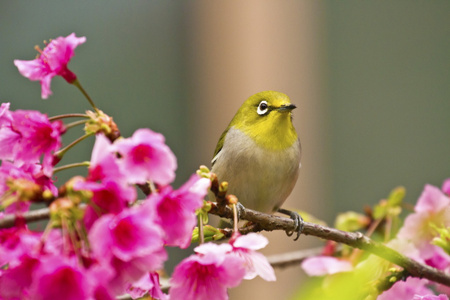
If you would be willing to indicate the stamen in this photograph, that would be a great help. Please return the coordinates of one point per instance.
(38, 49)
(41, 53)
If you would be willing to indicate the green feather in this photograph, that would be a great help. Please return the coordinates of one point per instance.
(219, 144)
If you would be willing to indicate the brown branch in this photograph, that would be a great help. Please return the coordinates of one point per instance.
(268, 222)
(9, 220)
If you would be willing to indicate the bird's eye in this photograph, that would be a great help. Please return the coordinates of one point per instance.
(263, 108)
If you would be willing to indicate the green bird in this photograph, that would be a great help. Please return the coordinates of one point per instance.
(259, 154)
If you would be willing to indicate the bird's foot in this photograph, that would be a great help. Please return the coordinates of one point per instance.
(298, 221)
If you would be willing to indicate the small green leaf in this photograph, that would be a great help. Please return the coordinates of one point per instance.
(351, 221)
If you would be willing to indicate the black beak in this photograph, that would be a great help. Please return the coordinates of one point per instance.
(289, 107)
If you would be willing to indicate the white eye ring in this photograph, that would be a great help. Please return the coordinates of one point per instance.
(263, 108)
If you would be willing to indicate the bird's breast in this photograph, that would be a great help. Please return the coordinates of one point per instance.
(262, 179)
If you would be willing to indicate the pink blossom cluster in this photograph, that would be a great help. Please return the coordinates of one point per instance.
(215, 268)
(113, 244)
(414, 239)
(126, 243)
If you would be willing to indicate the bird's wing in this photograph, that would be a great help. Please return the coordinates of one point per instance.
(219, 147)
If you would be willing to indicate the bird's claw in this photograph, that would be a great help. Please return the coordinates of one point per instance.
(298, 222)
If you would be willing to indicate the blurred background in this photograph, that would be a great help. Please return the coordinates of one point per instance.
(370, 80)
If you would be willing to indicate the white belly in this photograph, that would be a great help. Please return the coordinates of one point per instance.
(273, 174)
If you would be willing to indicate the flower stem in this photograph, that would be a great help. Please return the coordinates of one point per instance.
(200, 229)
(151, 186)
(388, 229)
(68, 116)
(45, 234)
(235, 218)
(373, 227)
(76, 123)
(69, 166)
(78, 85)
(63, 151)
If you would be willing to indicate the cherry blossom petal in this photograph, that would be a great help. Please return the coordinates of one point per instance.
(325, 265)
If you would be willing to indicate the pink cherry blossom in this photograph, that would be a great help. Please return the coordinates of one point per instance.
(57, 277)
(446, 187)
(139, 288)
(325, 265)
(5, 115)
(21, 252)
(44, 274)
(39, 137)
(51, 62)
(130, 242)
(23, 184)
(432, 200)
(104, 163)
(102, 293)
(28, 136)
(98, 278)
(111, 192)
(245, 246)
(108, 197)
(156, 291)
(207, 274)
(16, 279)
(10, 174)
(149, 283)
(433, 207)
(406, 289)
(17, 242)
(145, 157)
(175, 210)
(127, 272)
(405, 247)
(8, 137)
(130, 234)
(430, 297)
(438, 258)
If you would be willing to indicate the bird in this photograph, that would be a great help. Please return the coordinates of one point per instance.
(259, 154)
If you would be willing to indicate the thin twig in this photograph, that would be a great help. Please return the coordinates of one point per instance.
(68, 147)
(69, 166)
(68, 116)
(83, 91)
(76, 123)
(9, 220)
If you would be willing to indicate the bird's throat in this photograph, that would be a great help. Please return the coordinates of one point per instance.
(276, 134)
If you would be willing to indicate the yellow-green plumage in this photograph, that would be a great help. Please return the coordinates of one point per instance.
(259, 152)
